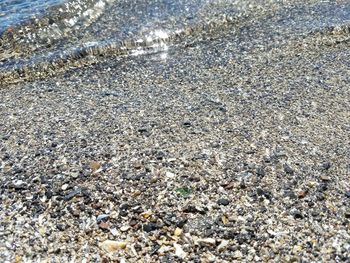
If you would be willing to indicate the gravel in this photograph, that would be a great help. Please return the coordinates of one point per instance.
(238, 137)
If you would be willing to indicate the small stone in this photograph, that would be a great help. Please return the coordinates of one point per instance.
(187, 123)
(124, 228)
(224, 220)
(288, 169)
(347, 194)
(95, 166)
(207, 241)
(164, 249)
(179, 252)
(64, 187)
(326, 166)
(114, 231)
(223, 245)
(142, 130)
(112, 246)
(60, 227)
(302, 194)
(237, 254)
(325, 178)
(136, 193)
(178, 232)
(260, 192)
(19, 185)
(191, 209)
(104, 225)
(101, 218)
(137, 165)
(154, 179)
(260, 172)
(146, 214)
(298, 215)
(347, 213)
(72, 194)
(149, 227)
(223, 201)
(170, 175)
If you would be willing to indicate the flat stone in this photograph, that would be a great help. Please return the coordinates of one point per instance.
(223, 201)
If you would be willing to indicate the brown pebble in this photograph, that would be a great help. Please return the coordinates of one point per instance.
(95, 166)
(104, 225)
(302, 194)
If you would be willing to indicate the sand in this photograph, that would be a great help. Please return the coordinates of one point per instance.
(227, 145)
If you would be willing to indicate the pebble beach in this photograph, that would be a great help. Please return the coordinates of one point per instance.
(227, 143)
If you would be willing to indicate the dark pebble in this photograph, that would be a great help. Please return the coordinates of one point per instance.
(347, 194)
(123, 212)
(124, 207)
(187, 124)
(48, 194)
(149, 227)
(298, 215)
(223, 201)
(260, 172)
(260, 191)
(142, 130)
(181, 223)
(287, 169)
(326, 166)
(72, 194)
(347, 213)
(192, 209)
(61, 227)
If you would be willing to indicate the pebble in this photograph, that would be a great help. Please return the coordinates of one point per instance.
(95, 166)
(187, 123)
(64, 187)
(302, 194)
(298, 215)
(287, 169)
(206, 241)
(326, 166)
(170, 175)
(104, 225)
(260, 171)
(114, 231)
(149, 227)
(237, 254)
(347, 194)
(223, 202)
(347, 213)
(178, 232)
(101, 218)
(179, 252)
(223, 245)
(124, 228)
(112, 246)
(325, 178)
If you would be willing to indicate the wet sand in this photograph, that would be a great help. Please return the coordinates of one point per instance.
(227, 146)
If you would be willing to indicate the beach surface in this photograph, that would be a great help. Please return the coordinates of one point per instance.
(221, 138)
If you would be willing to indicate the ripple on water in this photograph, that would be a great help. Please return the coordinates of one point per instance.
(44, 39)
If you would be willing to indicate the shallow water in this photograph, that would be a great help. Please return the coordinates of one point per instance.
(41, 40)
(14, 12)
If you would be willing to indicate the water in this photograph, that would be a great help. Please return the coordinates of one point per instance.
(43, 38)
(14, 12)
